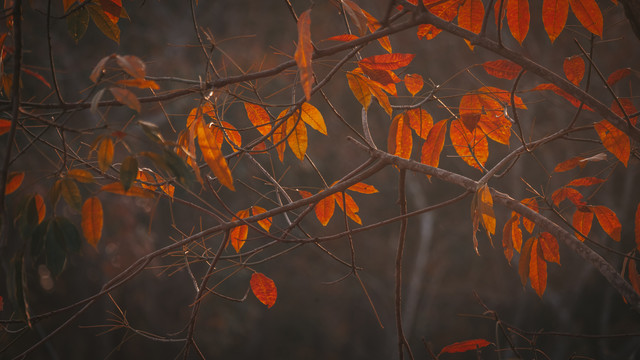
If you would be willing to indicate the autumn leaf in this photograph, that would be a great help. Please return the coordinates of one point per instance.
(105, 153)
(359, 88)
(582, 220)
(139, 83)
(264, 289)
(608, 221)
(312, 117)
(304, 52)
(503, 69)
(135, 191)
(472, 147)
(586, 181)
(532, 204)
(430, 154)
(628, 108)
(574, 69)
(511, 237)
(126, 97)
(14, 180)
(550, 247)
(400, 141)
(373, 24)
(614, 140)
(112, 9)
(551, 87)
(92, 220)
(324, 209)
(128, 172)
(554, 17)
(464, 346)
(297, 138)
(589, 15)
(104, 22)
(382, 98)
(264, 223)
(357, 15)
(279, 138)
(5, 126)
(363, 188)
(343, 38)
(518, 18)
(470, 17)
(569, 164)
(524, 262)
(567, 193)
(41, 208)
(258, 117)
(213, 155)
(482, 212)
(420, 121)
(132, 65)
(80, 175)
(537, 268)
(238, 234)
(618, 75)
(413, 83)
(470, 110)
(352, 207)
(386, 61)
(70, 193)
(446, 10)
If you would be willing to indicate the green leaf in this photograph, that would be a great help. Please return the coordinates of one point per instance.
(178, 167)
(152, 131)
(128, 172)
(77, 23)
(70, 192)
(111, 30)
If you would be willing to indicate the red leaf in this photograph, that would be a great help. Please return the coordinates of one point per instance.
(503, 69)
(434, 144)
(550, 248)
(575, 102)
(608, 221)
(400, 141)
(5, 126)
(628, 107)
(470, 16)
(324, 209)
(518, 18)
(618, 75)
(264, 289)
(586, 181)
(569, 164)
(614, 140)
(574, 69)
(537, 268)
(446, 10)
(472, 147)
(344, 38)
(14, 180)
(567, 193)
(589, 15)
(413, 83)
(386, 61)
(37, 76)
(582, 220)
(464, 346)
(304, 52)
(554, 16)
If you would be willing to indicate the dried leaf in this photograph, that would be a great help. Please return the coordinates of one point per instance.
(213, 155)
(628, 107)
(352, 207)
(80, 175)
(103, 22)
(264, 289)
(126, 97)
(41, 208)
(554, 17)
(511, 236)
(446, 10)
(614, 140)
(524, 262)
(575, 102)
(304, 52)
(634, 277)
(503, 69)
(608, 221)
(132, 65)
(92, 220)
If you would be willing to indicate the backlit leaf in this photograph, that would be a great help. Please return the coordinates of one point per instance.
(128, 172)
(628, 107)
(264, 289)
(575, 102)
(213, 155)
(582, 220)
(400, 141)
(554, 16)
(359, 88)
(304, 52)
(324, 209)
(126, 97)
(511, 236)
(574, 69)
(352, 207)
(105, 153)
(41, 208)
(567, 193)
(264, 223)
(532, 204)
(363, 188)
(586, 181)
(343, 38)
(550, 247)
(470, 16)
(413, 83)
(518, 18)
(482, 212)
(14, 180)
(470, 110)
(464, 346)
(92, 220)
(135, 191)
(70, 192)
(618, 75)
(226, 132)
(373, 24)
(103, 22)
(446, 10)
(386, 61)
(297, 139)
(569, 164)
(433, 145)
(312, 117)
(258, 117)
(139, 83)
(472, 147)
(503, 96)
(589, 15)
(614, 140)
(608, 221)
(420, 121)
(238, 234)
(384, 79)
(5, 126)
(382, 98)
(537, 268)
(503, 69)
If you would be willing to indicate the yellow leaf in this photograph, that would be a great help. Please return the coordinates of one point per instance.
(213, 155)
(259, 117)
(311, 116)
(92, 220)
(105, 153)
(80, 175)
(297, 136)
(359, 88)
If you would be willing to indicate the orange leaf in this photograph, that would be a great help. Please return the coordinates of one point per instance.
(446, 10)
(66, 4)
(470, 110)
(537, 269)
(14, 180)
(503, 96)
(324, 209)
(264, 289)
(139, 83)
(400, 141)
(614, 140)
(80, 175)
(213, 155)
(511, 236)
(297, 139)
(567, 193)
(92, 220)
(634, 277)
(493, 122)
(105, 153)
(503, 69)
(136, 191)
(312, 117)
(344, 38)
(608, 221)
(463, 346)
(352, 207)
(470, 16)
(386, 61)
(637, 227)
(586, 181)
(373, 24)
(264, 223)
(524, 262)
(304, 194)
(304, 52)
(434, 144)
(413, 83)
(233, 135)
(359, 88)
(5, 126)
(569, 164)
(382, 98)
(554, 16)
(628, 107)
(518, 18)
(550, 247)
(238, 234)
(582, 220)
(618, 75)
(126, 97)
(472, 147)
(279, 138)
(420, 121)
(575, 102)
(532, 204)
(363, 188)
(574, 69)
(132, 65)
(589, 15)
(40, 207)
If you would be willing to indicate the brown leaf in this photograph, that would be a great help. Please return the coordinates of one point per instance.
(126, 97)
(92, 220)
(132, 65)
(105, 153)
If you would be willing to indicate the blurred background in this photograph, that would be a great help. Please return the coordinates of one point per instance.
(314, 316)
